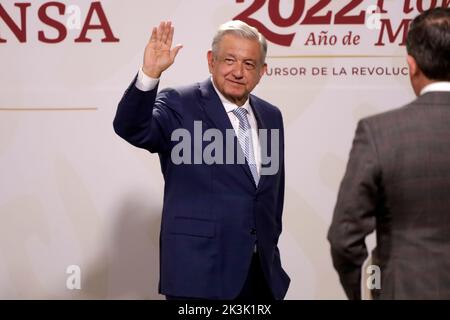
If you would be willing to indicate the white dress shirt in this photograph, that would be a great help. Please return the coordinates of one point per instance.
(436, 86)
(146, 83)
(229, 108)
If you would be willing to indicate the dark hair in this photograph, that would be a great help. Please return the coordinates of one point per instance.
(429, 43)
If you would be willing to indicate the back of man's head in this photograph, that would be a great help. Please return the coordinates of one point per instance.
(428, 43)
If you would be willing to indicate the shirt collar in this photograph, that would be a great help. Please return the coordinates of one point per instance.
(436, 86)
(230, 106)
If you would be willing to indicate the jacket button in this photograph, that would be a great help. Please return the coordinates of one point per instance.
(253, 231)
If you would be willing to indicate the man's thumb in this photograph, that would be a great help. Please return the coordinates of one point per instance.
(174, 51)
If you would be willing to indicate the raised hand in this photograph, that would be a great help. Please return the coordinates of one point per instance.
(159, 54)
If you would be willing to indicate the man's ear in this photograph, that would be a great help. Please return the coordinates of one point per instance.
(412, 64)
(210, 57)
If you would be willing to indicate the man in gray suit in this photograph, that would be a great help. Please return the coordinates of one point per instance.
(397, 181)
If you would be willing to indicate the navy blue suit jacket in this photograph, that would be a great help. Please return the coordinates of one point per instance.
(212, 214)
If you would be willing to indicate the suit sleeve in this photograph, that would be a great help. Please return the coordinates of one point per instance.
(147, 119)
(281, 187)
(354, 213)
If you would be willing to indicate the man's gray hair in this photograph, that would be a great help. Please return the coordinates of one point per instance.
(240, 29)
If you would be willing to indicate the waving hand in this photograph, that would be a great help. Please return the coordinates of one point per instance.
(159, 54)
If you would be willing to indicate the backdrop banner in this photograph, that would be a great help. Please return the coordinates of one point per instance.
(80, 208)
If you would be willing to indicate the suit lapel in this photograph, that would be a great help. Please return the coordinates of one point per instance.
(262, 124)
(214, 109)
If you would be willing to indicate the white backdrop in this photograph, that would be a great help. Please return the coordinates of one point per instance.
(74, 193)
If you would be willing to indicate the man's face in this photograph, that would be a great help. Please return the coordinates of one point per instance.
(237, 67)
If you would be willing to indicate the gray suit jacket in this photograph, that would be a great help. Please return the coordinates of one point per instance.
(397, 181)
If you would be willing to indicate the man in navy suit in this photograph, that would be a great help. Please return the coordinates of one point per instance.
(224, 181)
